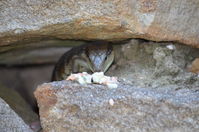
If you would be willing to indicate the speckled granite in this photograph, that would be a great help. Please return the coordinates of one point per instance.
(10, 121)
(69, 106)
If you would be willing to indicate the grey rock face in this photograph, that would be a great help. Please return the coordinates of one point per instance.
(68, 106)
(10, 121)
(17, 102)
(156, 65)
(160, 20)
(42, 52)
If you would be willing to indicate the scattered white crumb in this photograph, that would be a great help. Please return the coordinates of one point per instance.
(171, 47)
(111, 102)
(97, 77)
(112, 85)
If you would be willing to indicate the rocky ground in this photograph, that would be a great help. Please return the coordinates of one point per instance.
(69, 106)
(157, 93)
(156, 65)
(153, 76)
(160, 80)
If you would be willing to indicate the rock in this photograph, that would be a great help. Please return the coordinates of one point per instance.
(32, 56)
(10, 121)
(195, 66)
(155, 65)
(164, 62)
(69, 106)
(18, 104)
(24, 80)
(159, 20)
(42, 52)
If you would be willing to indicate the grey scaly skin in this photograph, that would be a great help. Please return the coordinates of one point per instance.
(93, 57)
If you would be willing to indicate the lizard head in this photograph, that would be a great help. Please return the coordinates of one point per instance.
(100, 57)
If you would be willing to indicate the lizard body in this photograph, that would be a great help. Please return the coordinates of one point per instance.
(93, 57)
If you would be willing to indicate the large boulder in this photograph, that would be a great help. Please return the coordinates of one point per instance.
(159, 20)
(68, 106)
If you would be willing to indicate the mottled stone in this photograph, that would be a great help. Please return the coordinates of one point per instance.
(18, 104)
(155, 65)
(41, 52)
(10, 121)
(195, 66)
(24, 80)
(69, 106)
(159, 20)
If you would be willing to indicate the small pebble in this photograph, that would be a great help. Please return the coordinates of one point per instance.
(112, 85)
(111, 102)
(171, 47)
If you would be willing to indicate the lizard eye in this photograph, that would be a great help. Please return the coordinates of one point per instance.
(108, 54)
(106, 58)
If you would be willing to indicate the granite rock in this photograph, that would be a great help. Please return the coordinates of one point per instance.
(158, 20)
(69, 106)
(10, 121)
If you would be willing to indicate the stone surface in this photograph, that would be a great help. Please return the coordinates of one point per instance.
(159, 20)
(69, 106)
(42, 52)
(25, 80)
(32, 56)
(10, 121)
(18, 104)
(195, 66)
(155, 65)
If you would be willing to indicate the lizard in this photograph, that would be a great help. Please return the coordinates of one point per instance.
(91, 57)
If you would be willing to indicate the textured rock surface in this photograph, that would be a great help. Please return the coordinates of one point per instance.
(32, 56)
(10, 121)
(171, 20)
(18, 104)
(195, 66)
(43, 52)
(156, 65)
(67, 106)
(25, 80)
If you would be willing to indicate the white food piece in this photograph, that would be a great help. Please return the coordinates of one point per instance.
(97, 77)
(82, 78)
(87, 77)
(111, 102)
(171, 47)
